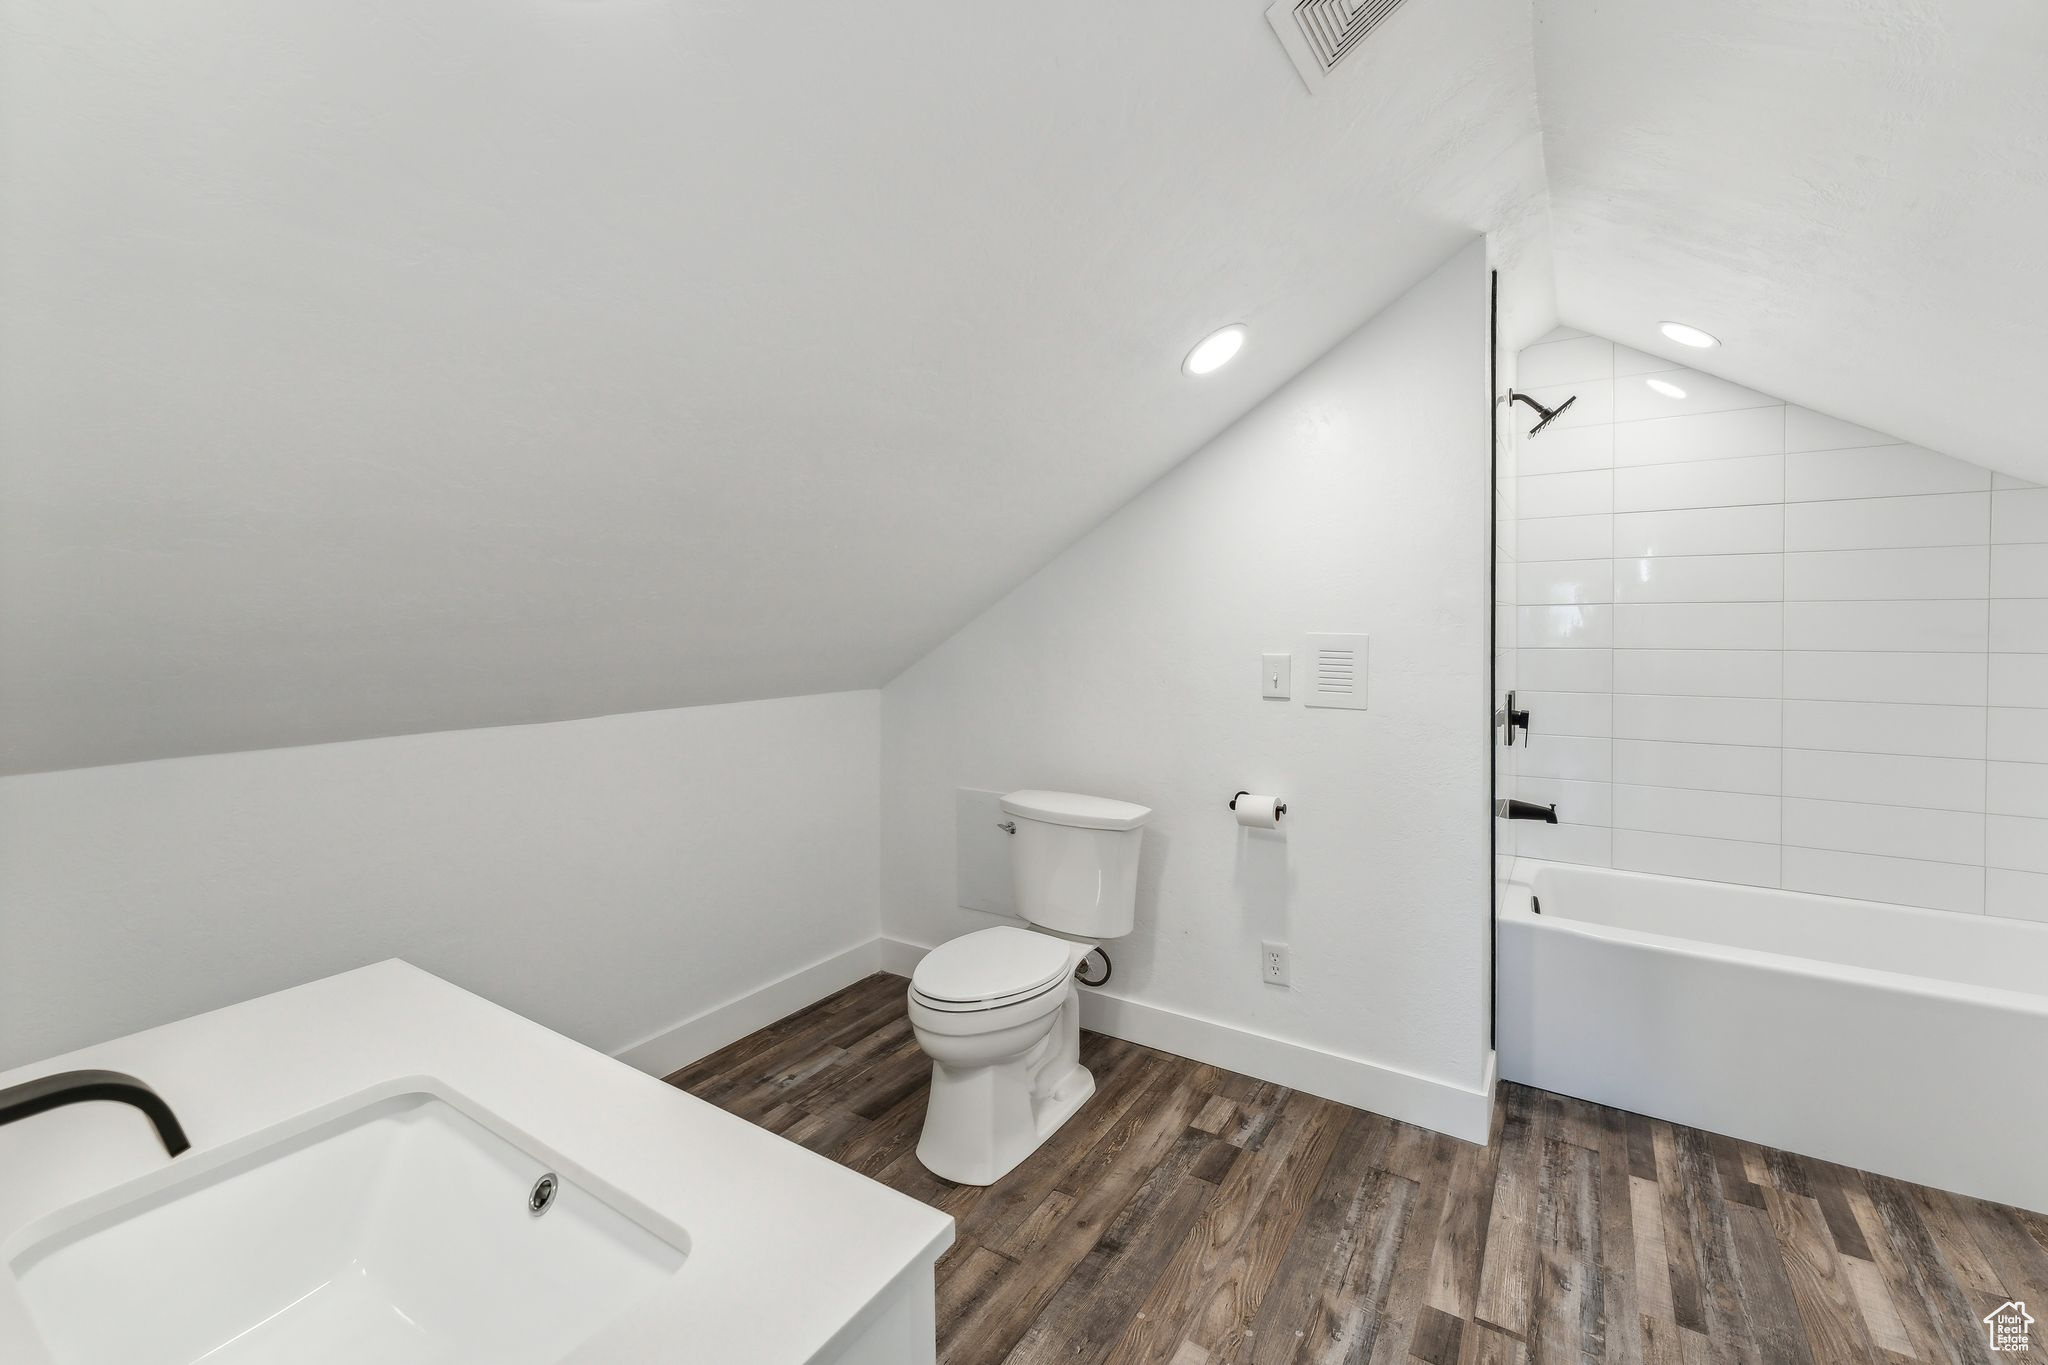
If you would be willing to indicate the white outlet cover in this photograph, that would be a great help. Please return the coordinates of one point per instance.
(1337, 671)
(1274, 964)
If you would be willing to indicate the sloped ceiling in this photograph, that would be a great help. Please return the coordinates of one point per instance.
(374, 367)
(1854, 197)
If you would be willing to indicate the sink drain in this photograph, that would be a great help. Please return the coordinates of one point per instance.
(542, 1195)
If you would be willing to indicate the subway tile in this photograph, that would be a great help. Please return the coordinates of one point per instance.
(1713, 815)
(1886, 728)
(1708, 483)
(1589, 537)
(1886, 779)
(1944, 836)
(1595, 405)
(2016, 842)
(1881, 472)
(1806, 429)
(1702, 767)
(1578, 803)
(1564, 581)
(2016, 895)
(2019, 571)
(2019, 680)
(2017, 789)
(1950, 571)
(1699, 672)
(1629, 361)
(1712, 860)
(1708, 531)
(1887, 523)
(1706, 436)
(1931, 679)
(2020, 625)
(1568, 713)
(1699, 625)
(1560, 449)
(1504, 624)
(1700, 578)
(1564, 362)
(1579, 759)
(2019, 516)
(1680, 393)
(2017, 736)
(1566, 670)
(1911, 627)
(1574, 627)
(1565, 495)
(1699, 720)
(1588, 845)
(1893, 881)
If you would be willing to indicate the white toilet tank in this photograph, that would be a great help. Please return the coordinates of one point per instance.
(1075, 861)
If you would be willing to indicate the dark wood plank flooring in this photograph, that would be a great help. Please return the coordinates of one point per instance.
(1190, 1216)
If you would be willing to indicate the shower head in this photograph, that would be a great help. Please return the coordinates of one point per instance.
(1548, 415)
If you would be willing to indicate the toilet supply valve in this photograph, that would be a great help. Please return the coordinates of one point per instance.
(1007, 826)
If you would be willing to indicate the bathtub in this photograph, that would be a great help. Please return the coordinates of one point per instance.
(1909, 1042)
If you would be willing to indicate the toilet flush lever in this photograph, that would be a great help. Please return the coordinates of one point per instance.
(1007, 826)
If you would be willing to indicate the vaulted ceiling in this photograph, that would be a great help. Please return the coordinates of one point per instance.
(1853, 197)
(369, 367)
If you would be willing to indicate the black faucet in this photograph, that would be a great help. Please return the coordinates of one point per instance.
(77, 1087)
(1526, 810)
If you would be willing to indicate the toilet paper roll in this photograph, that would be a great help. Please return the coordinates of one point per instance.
(1258, 812)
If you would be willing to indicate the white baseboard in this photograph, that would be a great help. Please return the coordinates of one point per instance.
(676, 1047)
(1398, 1094)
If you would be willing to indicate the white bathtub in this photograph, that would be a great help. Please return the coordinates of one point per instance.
(1909, 1042)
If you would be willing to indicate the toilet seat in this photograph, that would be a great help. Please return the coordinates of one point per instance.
(991, 969)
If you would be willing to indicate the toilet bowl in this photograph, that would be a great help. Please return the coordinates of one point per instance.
(997, 1010)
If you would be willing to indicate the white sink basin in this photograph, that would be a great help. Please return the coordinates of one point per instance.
(391, 1229)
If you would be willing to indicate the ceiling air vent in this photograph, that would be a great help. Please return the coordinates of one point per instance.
(1319, 33)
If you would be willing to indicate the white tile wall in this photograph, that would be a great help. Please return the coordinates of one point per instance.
(1764, 645)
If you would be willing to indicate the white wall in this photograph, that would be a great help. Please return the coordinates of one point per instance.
(1761, 645)
(608, 878)
(1353, 499)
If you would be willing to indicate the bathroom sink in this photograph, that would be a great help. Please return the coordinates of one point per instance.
(395, 1227)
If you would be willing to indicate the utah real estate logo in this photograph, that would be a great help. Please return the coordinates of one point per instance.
(2006, 1326)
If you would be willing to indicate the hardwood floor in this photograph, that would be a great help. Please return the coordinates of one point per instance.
(1190, 1216)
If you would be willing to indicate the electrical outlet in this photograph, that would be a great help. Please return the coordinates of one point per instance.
(1273, 964)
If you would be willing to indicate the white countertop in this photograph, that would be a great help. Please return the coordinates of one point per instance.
(788, 1251)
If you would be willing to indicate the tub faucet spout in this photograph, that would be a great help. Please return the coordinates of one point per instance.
(1527, 810)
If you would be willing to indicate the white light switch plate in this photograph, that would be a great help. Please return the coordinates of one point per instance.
(1275, 675)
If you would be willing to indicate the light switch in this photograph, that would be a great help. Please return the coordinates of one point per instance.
(1275, 674)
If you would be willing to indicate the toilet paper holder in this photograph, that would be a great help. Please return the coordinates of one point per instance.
(1279, 807)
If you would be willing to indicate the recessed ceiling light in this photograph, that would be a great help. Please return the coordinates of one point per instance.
(1215, 350)
(1665, 387)
(1688, 336)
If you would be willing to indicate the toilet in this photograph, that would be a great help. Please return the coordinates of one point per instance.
(997, 1011)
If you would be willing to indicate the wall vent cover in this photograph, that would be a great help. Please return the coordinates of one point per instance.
(1337, 671)
(1318, 34)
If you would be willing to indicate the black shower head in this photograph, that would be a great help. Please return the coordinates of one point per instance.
(1548, 415)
